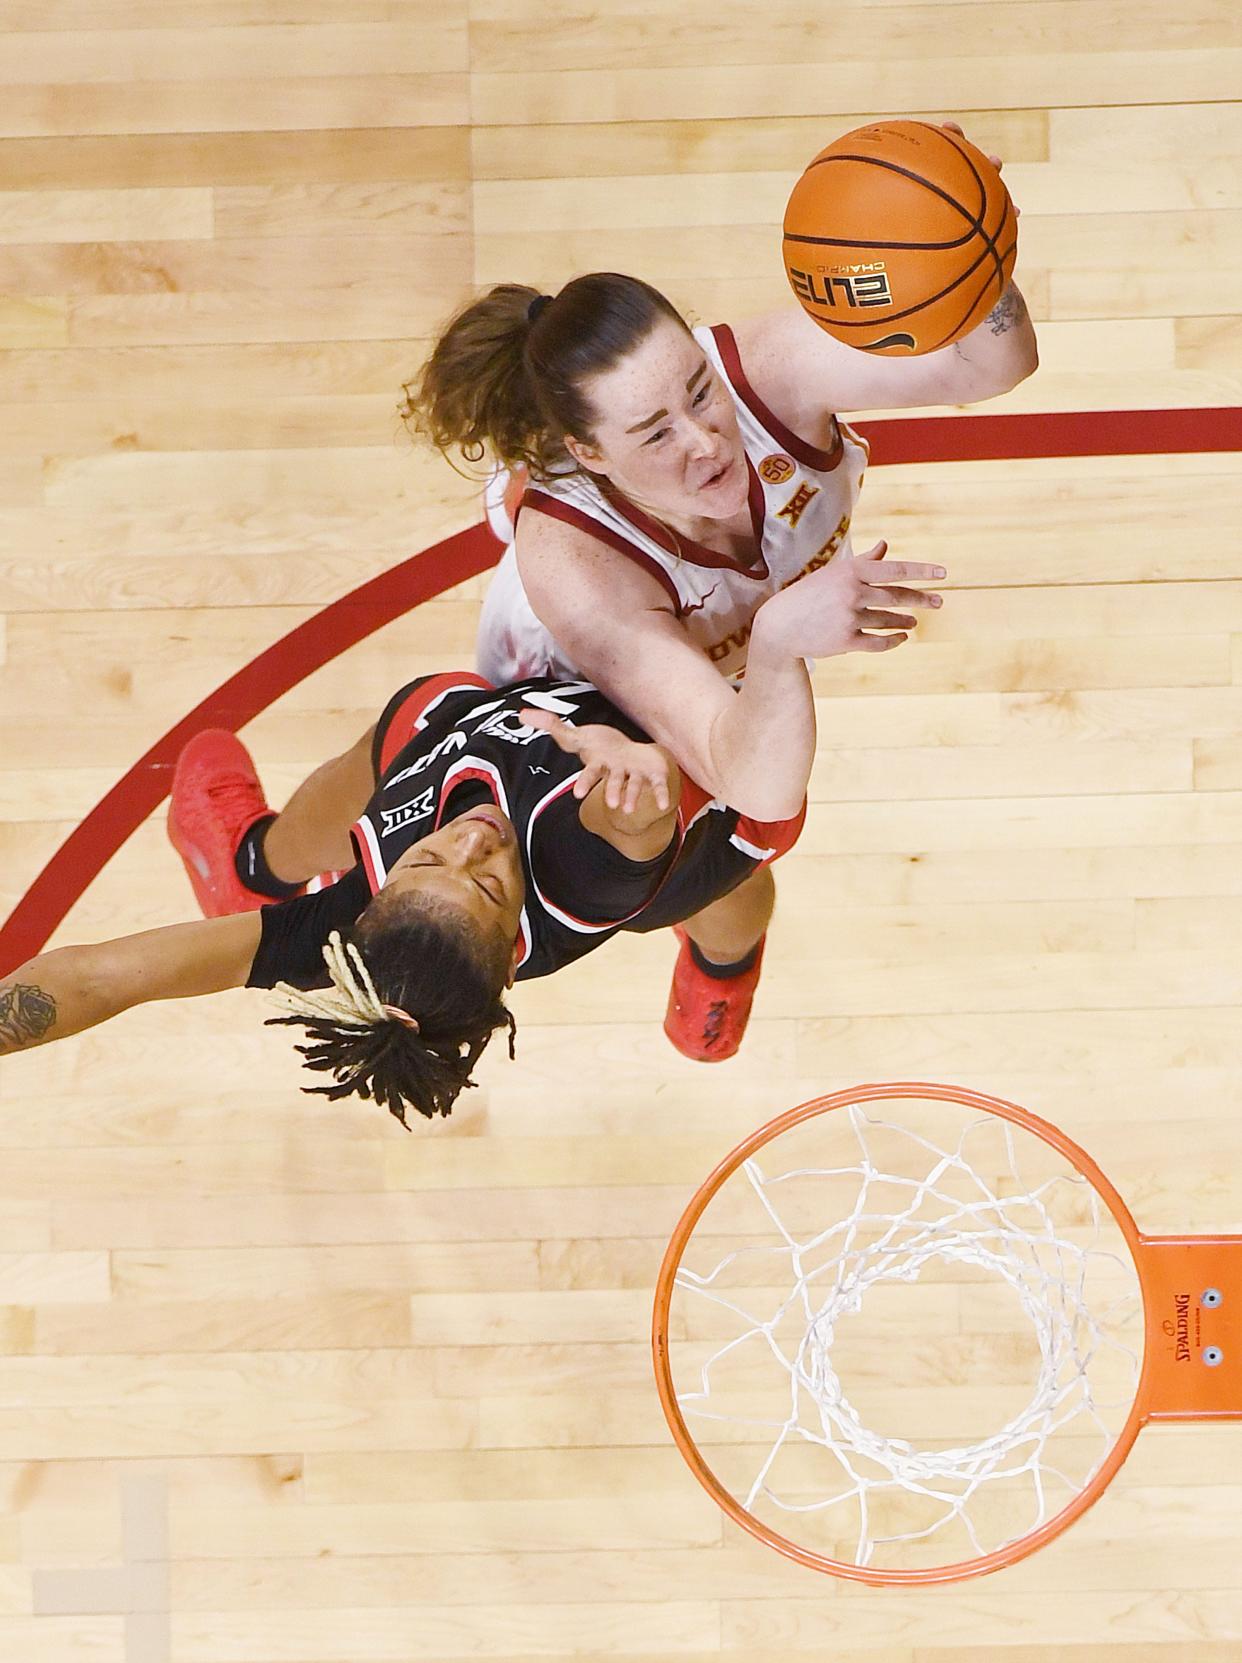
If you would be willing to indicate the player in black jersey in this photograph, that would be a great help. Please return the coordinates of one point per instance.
(498, 834)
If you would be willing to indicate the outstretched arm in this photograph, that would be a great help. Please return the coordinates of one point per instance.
(72, 988)
(805, 375)
(751, 749)
(762, 738)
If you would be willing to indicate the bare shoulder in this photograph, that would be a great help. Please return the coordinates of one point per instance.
(616, 622)
(766, 341)
(789, 364)
(564, 567)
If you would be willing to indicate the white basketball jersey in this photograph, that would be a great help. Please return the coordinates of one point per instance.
(801, 501)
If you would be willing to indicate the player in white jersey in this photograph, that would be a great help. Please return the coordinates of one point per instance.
(800, 501)
(654, 548)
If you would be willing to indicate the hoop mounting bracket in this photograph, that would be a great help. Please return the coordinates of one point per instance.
(1193, 1291)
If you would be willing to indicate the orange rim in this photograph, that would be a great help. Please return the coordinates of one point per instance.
(1014, 1551)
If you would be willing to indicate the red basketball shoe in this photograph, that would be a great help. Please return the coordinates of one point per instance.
(216, 798)
(707, 1015)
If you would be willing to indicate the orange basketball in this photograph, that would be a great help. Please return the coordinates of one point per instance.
(899, 238)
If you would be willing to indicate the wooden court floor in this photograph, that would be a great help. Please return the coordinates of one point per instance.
(280, 1384)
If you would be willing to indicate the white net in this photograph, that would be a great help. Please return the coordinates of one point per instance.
(920, 1353)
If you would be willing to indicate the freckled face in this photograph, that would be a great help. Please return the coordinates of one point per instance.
(666, 432)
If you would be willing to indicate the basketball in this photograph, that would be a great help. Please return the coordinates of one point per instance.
(899, 238)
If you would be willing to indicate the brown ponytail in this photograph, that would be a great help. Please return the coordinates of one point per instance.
(504, 381)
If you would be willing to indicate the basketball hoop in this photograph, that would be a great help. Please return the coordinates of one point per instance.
(1028, 1331)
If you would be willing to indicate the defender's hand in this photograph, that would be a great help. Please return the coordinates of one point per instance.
(626, 767)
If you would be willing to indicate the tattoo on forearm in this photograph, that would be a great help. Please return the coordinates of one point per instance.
(1009, 311)
(26, 1014)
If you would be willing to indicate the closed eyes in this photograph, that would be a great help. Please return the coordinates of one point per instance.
(495, 894)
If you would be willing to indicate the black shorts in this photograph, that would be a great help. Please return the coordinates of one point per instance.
(405, 713)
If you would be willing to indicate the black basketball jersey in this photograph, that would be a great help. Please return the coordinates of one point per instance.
(467, 735)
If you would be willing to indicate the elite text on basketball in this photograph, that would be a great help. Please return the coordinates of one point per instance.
(853, 289)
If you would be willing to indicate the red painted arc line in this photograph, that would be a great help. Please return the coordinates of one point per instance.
(360, 613)
(281, 666)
